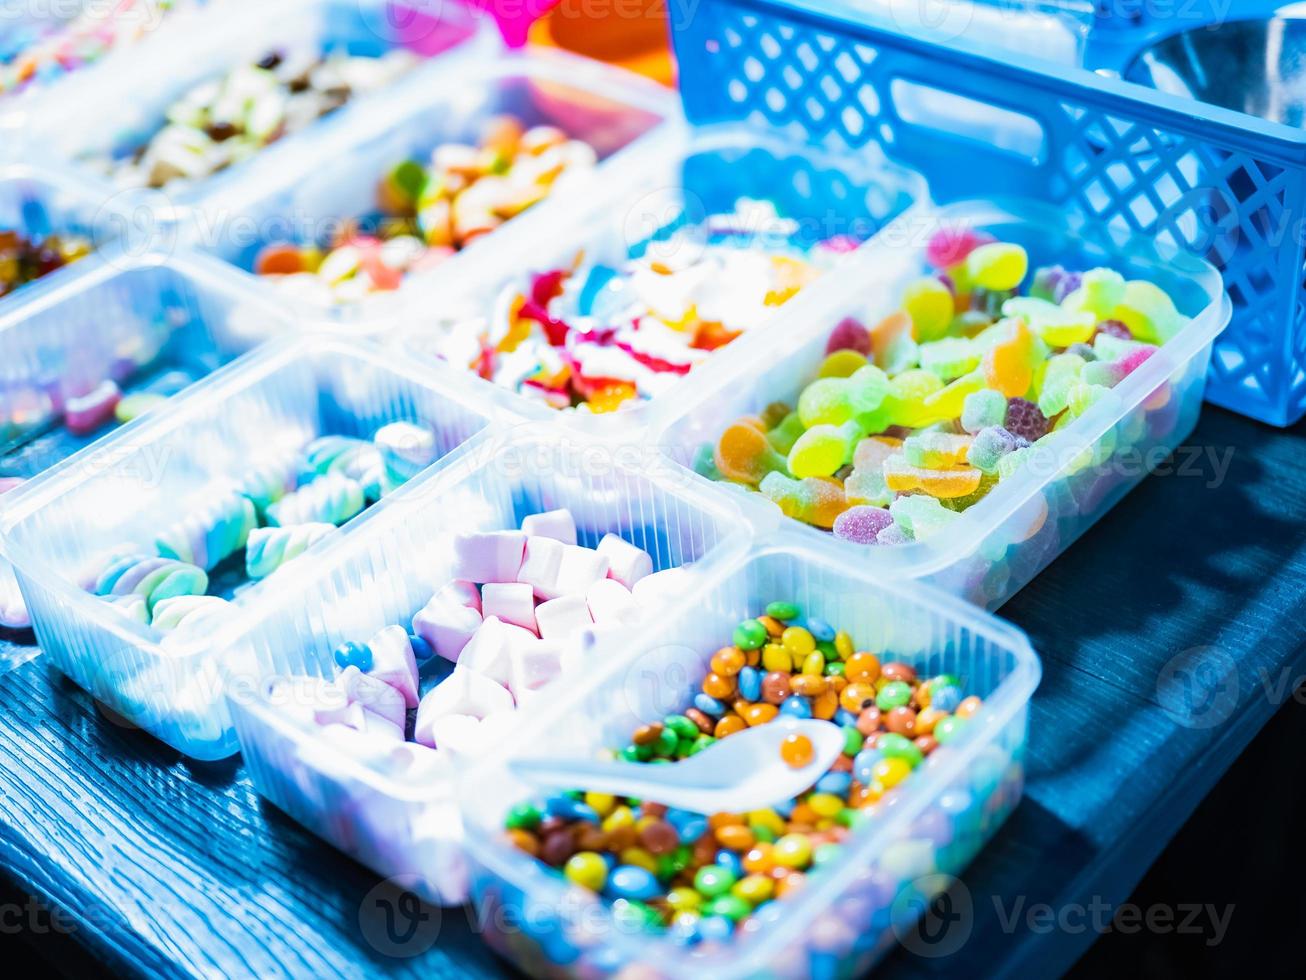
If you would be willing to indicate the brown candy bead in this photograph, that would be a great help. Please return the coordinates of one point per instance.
(591, 837)
(557, 848)
(647, 734)
(659, 837)
(704, 723)
(896, 670)
(901, 721)
(926, 743)
(776, 687)
(657, 810)
(524, 840)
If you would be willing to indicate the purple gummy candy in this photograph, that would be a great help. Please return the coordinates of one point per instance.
(849, 335)
(1070, 281)
(1114, 328)
(861, 524)
(1025, 420)
(893, 534)
(1083, 350)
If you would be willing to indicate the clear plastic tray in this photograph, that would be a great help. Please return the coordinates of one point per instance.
(122, 317)
(114, 109)
(694, 175)
(998, 545)
(846, 915)
(57, 528)
(384, 574)
(333, 174)
(38, 202)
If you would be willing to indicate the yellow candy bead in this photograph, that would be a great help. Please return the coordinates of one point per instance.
(825, 804)
(843, 645)
(776, 659)
(754, 889)
(814, 663)
(643, 859)
(768, 820)
(602, 803)
(798, 641)
(890, 772)
(621, 817)
(684, 899)
(793, 850)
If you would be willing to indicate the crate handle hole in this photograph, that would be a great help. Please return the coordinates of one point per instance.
(960, 116)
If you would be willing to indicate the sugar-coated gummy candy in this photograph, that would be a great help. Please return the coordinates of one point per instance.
(823, 449)
(849, 334)
(935, 449)
(997, 266)
(982, 409)
(929, 303)
(988, 448)
(815, 500)
(921, 515)
(902, 477)
(861, 524)
(744, 454)
(1025, 420)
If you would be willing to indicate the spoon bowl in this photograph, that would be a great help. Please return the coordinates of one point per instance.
(738, 773)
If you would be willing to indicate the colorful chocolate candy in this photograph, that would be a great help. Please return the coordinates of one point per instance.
(912, 421)
(429, 209)
(224, 121)
(598, 337)
(266, 518)
(703, 876)
(24, 260)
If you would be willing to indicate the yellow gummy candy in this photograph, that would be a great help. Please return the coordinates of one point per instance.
(902, 477)
(841, 364)
(948, 402)
(1008, 365)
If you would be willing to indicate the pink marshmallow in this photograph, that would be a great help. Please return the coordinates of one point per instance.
(488, 556)
(556, 524)
(374, 694)
(541, 565)
(446, 624)
(308, 701)
(581, 568)
(464, 692)
(533, 667)
(511, 602)
(626, 563)
(610, 602)
(462, 593)
(469, 736)
(394, 663)
(369, 723)
(561, 618)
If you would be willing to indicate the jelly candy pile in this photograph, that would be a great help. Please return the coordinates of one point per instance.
(916, 419)
(23, 259)
(702, 876)
(599, 337)
(427, 210)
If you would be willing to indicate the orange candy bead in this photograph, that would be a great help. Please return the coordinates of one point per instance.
(728, 661)
(729, 725)
(797, 751)
(718, 686)
(734, 837)
(968, 707)
(759, 714)
(857, 697)
(759, 860)
(861, 666)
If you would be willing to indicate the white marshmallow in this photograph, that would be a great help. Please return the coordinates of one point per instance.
(447, 624)
(393, 662)
(561, 618)
(464, 692)
(556, 524)
(611, 602)
(626, 563)
(488, 556)
(462, 593)
(581, 568)
(541, 565)
(491, 647)
(533, 667)
(511, 602)
(468, 736)
(660, 586)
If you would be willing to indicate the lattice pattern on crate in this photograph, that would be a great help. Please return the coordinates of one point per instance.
(1095, 154)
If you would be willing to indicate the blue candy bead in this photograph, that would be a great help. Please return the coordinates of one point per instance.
(716, 927)
(692, 830)
(570, 809)
(684, 931)
(609, 859)
(946, 699)
(750, 684)
(845, 718)
(709, 705)
(837, 783)
(797, 706)
(678, 818)
(820, 629)
(785, 809)
(422, 651)
(731, 861)
(863, 762)
(353, 654)
(634, 883)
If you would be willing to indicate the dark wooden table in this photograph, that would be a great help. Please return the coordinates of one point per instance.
(1169, 634)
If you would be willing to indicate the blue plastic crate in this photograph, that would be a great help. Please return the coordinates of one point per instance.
(1226, 186)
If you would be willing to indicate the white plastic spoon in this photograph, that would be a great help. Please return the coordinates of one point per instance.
(738, 773)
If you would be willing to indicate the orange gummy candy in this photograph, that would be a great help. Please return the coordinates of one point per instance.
(890, 331)
(610, 397)
(901, 477)
(743, 454)
(1008, 365)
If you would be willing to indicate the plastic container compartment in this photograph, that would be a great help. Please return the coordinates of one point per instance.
(111, 112)
(1006, 539)
(847, 915)
(122, 317)
(37, 202)
(384, 574)
(695, 175)
(323, 180)
(57, 528)
(1218, 183)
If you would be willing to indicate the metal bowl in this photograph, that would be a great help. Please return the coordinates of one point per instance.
(1253, 66)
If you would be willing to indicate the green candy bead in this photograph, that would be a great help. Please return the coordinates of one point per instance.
(950, 729)
(783, 611)
(702, 742)
(826, 854)
(894, 746)
(834, 669)
(749, 635)
(713, 880)
(682, 726)
(895, 694)
(853, 740)
(523, 816)
(635, 915)
(731, 906)
(637, 753)
(666, 743)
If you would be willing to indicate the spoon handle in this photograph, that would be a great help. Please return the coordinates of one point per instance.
(616, 778)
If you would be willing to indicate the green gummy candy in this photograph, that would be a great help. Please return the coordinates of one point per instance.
(1100, 291)
(1149, 312)
(784, 435)
(950, 357)
(921, 515)
(982, 409)
(826, 401)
